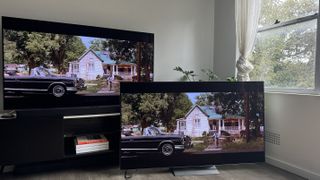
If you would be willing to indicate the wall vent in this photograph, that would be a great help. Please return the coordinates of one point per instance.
(272, 137)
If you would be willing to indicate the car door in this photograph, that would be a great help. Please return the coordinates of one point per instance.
(11, 83)
(34, 84)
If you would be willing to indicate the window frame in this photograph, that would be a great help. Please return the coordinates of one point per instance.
(316, 89)
(197, 123)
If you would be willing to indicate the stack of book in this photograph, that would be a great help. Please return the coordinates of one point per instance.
(91, 143)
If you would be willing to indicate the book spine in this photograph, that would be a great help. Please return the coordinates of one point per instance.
(88, 150)
(95, 146)
(92, 141)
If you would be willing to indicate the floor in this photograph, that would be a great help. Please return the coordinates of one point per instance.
(260, 171)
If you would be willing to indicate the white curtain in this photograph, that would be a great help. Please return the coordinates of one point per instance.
(247, 17)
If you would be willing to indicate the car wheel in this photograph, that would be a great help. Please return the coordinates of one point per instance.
(167, 149)
(58, 90)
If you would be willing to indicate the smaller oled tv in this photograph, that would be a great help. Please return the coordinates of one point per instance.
(51, 64)
(172, 124)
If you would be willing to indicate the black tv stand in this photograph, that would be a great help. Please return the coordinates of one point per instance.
(45, 137)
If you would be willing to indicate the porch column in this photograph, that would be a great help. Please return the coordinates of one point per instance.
(178, 126)
(113, 70)
(239, 125)
(70, 68)
(219, 127)
(131, 70)
(243, 127)
(222, 124)
(117, 70)
(135, 69)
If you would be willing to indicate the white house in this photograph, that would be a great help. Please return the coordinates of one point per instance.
(201, 119)
(98, 63)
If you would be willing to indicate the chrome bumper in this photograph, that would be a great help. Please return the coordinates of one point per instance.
(72, 89)
(179, 146)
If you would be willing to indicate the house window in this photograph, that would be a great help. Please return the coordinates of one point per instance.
(75, 68)
(183, 125)
(284, 56)
(197, 123)
(91, 67)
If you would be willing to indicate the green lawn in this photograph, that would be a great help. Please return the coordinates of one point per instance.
(257, 144)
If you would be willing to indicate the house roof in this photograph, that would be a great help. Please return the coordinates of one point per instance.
(86, 52)
(104, 57)
(196, 106)
(211, 112)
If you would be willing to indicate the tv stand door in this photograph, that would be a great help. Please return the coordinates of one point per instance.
(31, 139)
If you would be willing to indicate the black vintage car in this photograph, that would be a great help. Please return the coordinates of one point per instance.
(40, 81)
(153, 140)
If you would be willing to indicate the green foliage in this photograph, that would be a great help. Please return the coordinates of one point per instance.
(284, 10)
(35, 49)
(210, 74)
(65, 48)
(154, 108)
(232, 79)
(187, 75)
(256, 145)
(205, 99)
(140, 53)
(233, 104)
(285, 57)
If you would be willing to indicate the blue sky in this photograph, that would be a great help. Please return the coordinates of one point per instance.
(192, 97)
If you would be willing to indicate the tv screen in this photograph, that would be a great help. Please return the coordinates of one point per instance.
(168, 124)
(48, 64)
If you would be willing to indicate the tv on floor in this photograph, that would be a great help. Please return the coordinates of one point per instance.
(50, 64)
(172, 124)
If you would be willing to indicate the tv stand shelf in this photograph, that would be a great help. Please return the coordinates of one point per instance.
(47, 135)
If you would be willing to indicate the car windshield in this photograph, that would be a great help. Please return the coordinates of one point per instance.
(152, 131)
(40, 71)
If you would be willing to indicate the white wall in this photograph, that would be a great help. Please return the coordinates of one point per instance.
(295, 117)
(183, 28)
(224, 35)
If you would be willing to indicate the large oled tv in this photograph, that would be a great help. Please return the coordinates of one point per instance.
(170, 124)
(50, 64)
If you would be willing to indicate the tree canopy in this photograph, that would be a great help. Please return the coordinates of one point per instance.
(36, 48)
(285, 57)
(140, 53)
(154, 109)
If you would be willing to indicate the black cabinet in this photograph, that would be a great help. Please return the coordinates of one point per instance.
(47, 135)
(30, 139)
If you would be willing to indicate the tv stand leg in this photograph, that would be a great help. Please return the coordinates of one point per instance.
(127, 175)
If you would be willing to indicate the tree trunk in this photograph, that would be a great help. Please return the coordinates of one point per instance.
(247, 116)
(138, 60)
(144, 124)
(31, 65)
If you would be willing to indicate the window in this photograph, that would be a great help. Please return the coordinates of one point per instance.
(91, 67)
(182, 125)
(284, 55)
(75, 68)
(197, 123)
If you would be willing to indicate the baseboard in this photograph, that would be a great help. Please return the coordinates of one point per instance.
(292, 168)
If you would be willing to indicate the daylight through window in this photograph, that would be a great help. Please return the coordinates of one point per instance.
(284, 55)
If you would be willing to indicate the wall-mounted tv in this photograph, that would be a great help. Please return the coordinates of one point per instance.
(170, 124)
(50, 64)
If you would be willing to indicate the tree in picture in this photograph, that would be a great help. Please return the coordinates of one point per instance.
(123, 51)
(36, 48)
(154, 109)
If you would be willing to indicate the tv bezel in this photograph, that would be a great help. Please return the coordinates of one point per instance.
(21, 24)
(195, 160)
